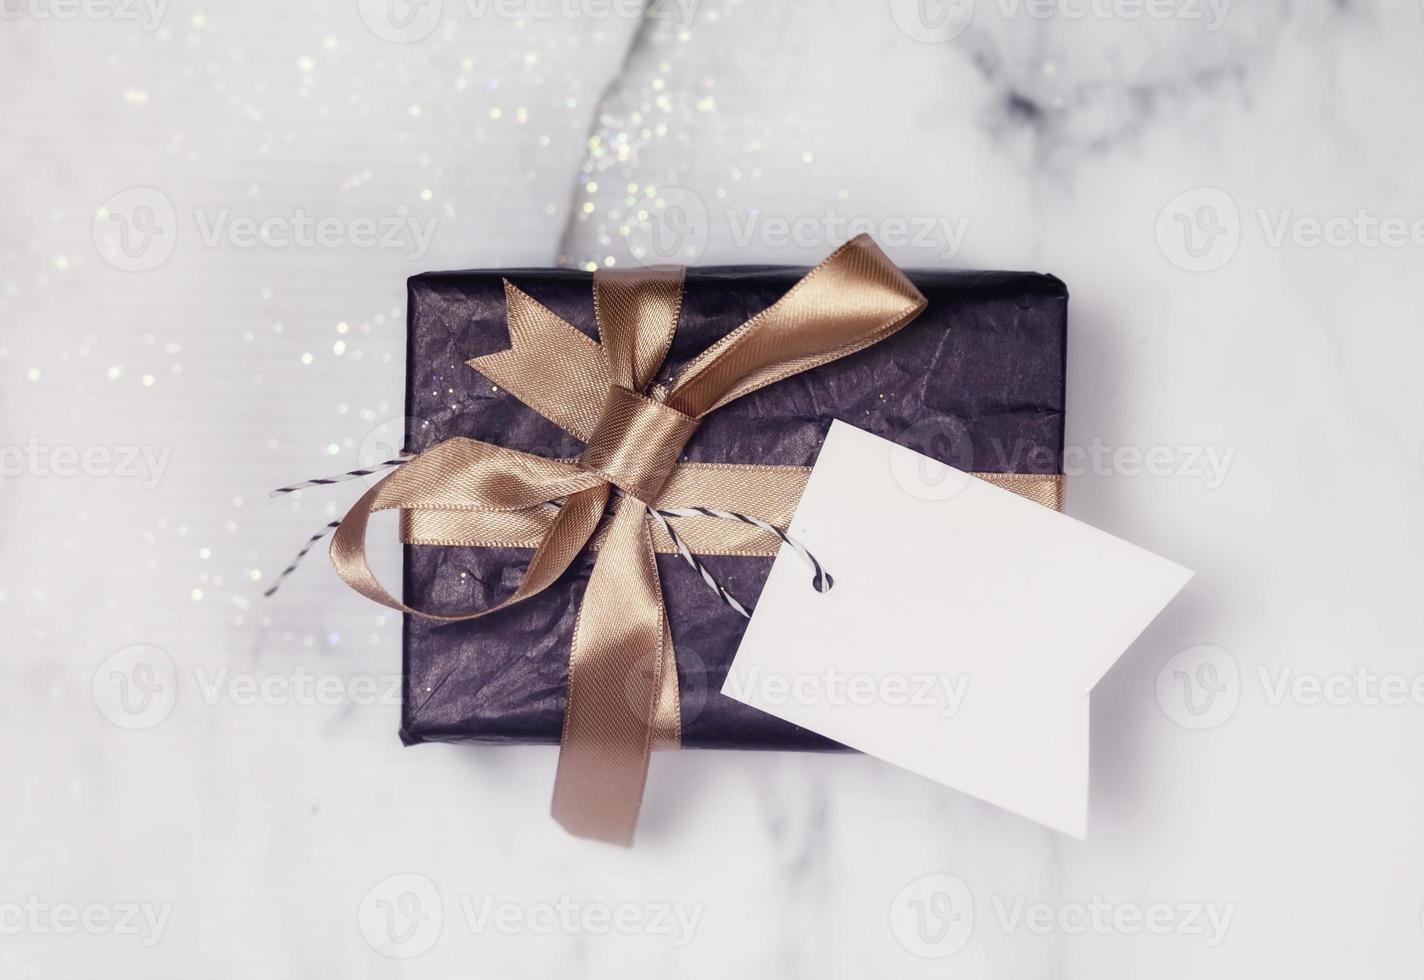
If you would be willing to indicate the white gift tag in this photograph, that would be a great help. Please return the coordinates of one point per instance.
(963, 633)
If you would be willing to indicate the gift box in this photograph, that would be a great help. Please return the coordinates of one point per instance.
(976, 381)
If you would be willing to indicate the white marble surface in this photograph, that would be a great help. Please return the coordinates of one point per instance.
(1271, 381)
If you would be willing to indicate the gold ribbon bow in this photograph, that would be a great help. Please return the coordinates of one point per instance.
(622, 694)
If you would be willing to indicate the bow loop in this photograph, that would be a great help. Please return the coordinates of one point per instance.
(637, 314)
(465, 474)
(855, 298)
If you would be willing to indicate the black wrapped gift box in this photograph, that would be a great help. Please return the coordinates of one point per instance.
(976, 381)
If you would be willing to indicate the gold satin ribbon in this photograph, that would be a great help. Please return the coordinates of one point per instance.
(768, 492)
(622, 687)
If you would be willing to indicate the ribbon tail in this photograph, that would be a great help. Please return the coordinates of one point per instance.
(621, 652)
(550, 365)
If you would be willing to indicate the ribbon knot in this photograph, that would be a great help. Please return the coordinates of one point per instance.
(622, 697)
(636, 443)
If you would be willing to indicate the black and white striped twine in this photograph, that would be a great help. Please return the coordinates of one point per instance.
(821, 580)
(343, 477)
(311, 543)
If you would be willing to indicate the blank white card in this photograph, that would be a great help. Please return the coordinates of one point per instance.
(965, 627)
